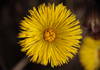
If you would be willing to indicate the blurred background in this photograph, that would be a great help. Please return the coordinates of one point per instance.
(12, 11)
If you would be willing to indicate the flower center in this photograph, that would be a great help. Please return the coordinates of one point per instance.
(49, 35)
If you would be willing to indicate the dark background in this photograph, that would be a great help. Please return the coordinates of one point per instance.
(12, 11)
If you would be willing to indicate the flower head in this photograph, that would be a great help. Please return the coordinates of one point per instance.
(49, 33)
(90, 53)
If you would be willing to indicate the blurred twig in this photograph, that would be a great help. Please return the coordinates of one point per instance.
(21, 64)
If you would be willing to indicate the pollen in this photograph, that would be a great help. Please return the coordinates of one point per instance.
(49, 35)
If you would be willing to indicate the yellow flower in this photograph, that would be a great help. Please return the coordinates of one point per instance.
(90, 53)
(49, 33)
